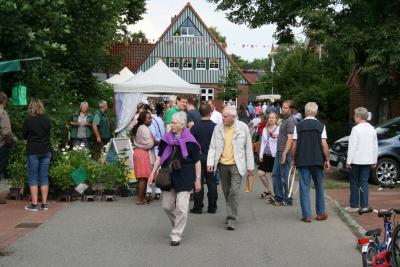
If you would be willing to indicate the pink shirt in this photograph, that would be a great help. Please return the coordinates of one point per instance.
(257, 110)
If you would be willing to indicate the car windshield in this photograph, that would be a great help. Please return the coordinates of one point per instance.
(389, 129)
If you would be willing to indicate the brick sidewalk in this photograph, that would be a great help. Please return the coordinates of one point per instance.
(13, 213)
(384, 199)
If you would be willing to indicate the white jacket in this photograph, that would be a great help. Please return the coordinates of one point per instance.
(272, 142)
(363, 145)
(242, 147)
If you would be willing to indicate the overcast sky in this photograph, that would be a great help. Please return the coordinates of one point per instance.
(159, 13)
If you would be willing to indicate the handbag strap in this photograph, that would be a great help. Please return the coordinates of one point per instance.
(172, 156)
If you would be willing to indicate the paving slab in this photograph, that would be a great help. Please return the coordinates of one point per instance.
(120, 233)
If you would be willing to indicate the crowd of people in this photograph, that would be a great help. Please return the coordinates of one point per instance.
(205, 147)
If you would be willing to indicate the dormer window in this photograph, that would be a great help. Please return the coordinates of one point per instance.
(187, 31)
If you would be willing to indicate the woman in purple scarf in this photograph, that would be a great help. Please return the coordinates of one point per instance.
(186, 173)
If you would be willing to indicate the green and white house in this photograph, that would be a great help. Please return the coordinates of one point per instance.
(190, 49)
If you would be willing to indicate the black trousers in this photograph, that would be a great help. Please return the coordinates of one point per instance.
(212, 194)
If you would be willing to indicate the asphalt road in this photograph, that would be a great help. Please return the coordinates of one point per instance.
(120, 233)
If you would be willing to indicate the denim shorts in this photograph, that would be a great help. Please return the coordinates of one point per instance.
(38, 169)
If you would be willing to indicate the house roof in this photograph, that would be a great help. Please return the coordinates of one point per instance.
(133, 53)
(173, 20)
(252, 75)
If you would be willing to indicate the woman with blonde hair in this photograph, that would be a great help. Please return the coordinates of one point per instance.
(269, 140)
(36, 131)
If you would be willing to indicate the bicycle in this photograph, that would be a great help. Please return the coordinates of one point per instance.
(395, 251)
(375, 253)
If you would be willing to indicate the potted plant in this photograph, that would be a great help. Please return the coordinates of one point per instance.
(115, 177)
(17, 168)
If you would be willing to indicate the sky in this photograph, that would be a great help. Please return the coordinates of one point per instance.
(242, 41)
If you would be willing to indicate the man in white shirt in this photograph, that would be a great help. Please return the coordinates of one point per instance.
(362, 155)
(264, 108)
(216, 116)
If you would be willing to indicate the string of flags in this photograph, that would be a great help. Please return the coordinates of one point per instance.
(206, 43)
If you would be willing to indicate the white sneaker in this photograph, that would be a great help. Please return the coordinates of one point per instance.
(350, 209)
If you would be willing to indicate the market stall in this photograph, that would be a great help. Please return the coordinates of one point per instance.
(157, 80)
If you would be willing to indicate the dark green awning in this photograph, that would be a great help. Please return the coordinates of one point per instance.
(9, 66)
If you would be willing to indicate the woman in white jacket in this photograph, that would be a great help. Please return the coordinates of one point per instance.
(269, 140)
(362, 155)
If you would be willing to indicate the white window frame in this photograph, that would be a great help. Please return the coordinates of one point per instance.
(185, 63)
(174, 63)
(187, 34)
(213, 64)
(207, 95)
(197, 63)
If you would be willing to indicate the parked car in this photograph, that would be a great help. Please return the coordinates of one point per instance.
(388, 166)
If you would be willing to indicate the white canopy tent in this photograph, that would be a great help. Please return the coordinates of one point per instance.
(158, 80)
(124, 75)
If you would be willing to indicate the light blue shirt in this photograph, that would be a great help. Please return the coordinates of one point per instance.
(157, 127)
(250, 108)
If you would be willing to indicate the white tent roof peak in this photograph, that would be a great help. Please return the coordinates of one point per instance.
(158, 79)
(124, 75)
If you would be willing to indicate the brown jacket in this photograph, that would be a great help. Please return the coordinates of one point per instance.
(6, 135)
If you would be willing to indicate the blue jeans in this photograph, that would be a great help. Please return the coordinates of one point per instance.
(280, 174)
(317, 175)
(38, 168)
(359, 175)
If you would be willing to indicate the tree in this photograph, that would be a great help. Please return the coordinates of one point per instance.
(369, 29)
(219, 36)
(230, 84)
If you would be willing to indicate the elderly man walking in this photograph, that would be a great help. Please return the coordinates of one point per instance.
(231, 152)
(310, 153)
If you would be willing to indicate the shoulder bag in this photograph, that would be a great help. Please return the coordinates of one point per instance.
(163, 180)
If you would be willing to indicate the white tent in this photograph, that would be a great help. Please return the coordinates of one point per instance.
(124, 75)
(159, 79)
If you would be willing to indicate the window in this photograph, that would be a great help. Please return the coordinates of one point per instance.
(187, 31)
(201, 63)
(174, 63)
(214, 64)
(187, 63)
(207, 94)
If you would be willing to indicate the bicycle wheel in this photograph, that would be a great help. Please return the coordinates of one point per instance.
(369, 255)
(395, 247)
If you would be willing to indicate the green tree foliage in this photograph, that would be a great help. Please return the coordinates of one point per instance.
(218, 35)
(368, 28)
(230, 84)
(73, 38)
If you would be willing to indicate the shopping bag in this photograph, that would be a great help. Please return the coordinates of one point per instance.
(79, 175)
(249, 183)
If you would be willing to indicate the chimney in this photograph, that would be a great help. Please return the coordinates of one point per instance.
(173, 18)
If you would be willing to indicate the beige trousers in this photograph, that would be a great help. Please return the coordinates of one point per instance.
(176, 205)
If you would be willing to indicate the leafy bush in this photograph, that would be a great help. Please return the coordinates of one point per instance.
(17, 165)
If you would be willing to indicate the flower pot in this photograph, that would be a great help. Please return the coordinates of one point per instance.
(108, 195)
(15, 193)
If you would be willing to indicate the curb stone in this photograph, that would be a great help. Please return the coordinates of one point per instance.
(356, 228)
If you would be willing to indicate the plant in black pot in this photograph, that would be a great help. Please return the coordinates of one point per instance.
(17, 168)
(115, 177)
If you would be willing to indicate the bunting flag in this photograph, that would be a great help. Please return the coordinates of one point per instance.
(209, 43)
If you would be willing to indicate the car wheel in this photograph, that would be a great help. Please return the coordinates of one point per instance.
(387, 171)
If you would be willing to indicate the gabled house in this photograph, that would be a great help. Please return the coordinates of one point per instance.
(191, 50)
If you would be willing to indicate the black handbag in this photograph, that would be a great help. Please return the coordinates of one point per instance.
(164, 179)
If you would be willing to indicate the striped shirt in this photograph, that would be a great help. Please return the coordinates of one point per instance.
(287, 127)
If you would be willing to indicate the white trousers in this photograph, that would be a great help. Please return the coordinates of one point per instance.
(176, 205)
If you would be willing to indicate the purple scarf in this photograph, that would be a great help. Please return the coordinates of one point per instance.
(185, 137)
